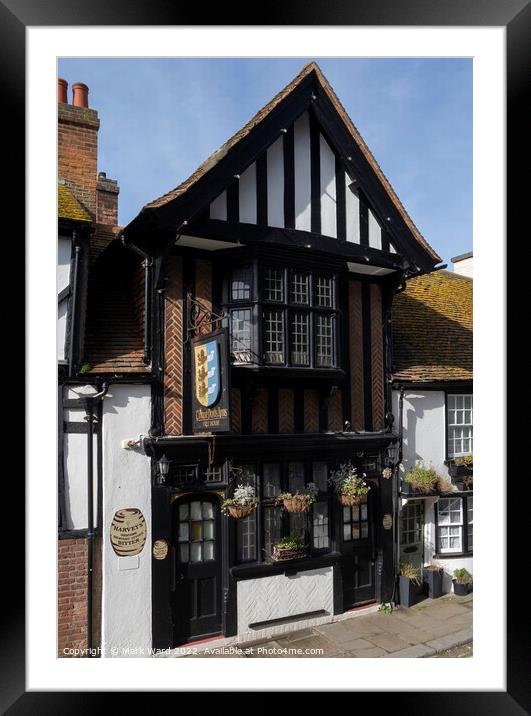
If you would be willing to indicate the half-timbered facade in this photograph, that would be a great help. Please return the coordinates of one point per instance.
(281, 254)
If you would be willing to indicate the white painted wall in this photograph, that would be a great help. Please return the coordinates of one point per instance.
(352, 204)
(375, 232)
(424, 428)
(282, 596)
(328, 189)
(464, 267)
(303, 184)
(247, 198)
(275, 184)
(126, 591)
(218, 208)
(64, 251)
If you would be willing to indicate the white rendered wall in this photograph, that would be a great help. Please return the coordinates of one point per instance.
(424, 429)
(247, 195)
(464, 267)
(126, 591)
(328, 189)
(64, 251)
(275, 184)
(280, 596)
(303, 184)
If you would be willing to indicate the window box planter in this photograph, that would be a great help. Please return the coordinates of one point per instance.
(286, 554)
(406, 488)
(433, 578)
(456, 470)
(411, 591)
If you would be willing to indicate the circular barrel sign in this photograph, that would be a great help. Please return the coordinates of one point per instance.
(128, 532)
(160, 549)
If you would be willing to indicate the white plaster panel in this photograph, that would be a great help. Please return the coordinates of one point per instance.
(247, 189)
(328, 189)
(64, 252)
(126, 593)
(464, 267)
(218, 208)
(61, 329)
(375, 232)
(282, 596)
(352, 204)
(303, 186)
(275, 184)
(75, 475)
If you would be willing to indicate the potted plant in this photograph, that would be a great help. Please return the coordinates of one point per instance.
(350, 488)
(410, 584)
(289, 548)
(461, 466)
(420, 479)
(299, 501)
(462, 581)
(241, 504)
(432, 575)
(468, 482)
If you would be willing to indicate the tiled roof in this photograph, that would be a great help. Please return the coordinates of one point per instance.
(432, 329)
(220, 153)
(69, 207)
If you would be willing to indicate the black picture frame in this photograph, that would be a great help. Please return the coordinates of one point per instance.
(515, 16)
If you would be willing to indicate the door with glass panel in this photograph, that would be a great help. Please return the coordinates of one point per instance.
(411, 533)
(358, 549)
(196, 568)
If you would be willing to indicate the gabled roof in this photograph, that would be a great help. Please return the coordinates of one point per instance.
(232, 144)
(70, 208)
(432, 329)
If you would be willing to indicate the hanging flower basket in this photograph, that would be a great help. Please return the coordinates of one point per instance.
(240, 511)
(299, 501)
(349, 500)
(242, 504)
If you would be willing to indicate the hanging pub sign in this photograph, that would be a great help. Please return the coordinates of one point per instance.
(210, 371)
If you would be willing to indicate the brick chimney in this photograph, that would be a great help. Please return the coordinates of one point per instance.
(78, 127)
(107, 200)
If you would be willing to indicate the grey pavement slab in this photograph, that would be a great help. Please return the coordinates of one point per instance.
(451, 640)
(418, 651)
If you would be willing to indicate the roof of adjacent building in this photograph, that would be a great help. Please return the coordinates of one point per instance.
(220, 153)
(432, 329)
(69, 207)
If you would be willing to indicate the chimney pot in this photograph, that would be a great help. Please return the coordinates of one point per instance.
(62, 89)
(80, 94)
(102, 175)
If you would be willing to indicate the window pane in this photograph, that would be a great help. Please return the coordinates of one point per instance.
(208, 529)
(320, 475)
(299, 288)
(184, 552)
(355, 531)
(300, 339)
(346, 533)
(241, 283)
(208, 550)
(320, 525)
(274, 336)
(240, 322)
(274, 284)
(183, 532)
(208, 511)
(295, 476)
(364, 530)
(247, 538)
(271, 479)
(197, 531)
(323, 292)
(272, 529)
(324, 340)
(195, 508)
(183, 511)
(197, 551)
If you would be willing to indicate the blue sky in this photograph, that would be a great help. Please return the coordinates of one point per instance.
(160, 118)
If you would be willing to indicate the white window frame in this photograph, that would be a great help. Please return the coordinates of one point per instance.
(446, 524)
(451, 427)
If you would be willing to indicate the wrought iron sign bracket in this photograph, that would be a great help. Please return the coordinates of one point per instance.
(200, 319)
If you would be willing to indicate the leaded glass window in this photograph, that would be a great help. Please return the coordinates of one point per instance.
(274, 285)
(320, 525)
(324, 291)
(300, 339)
(324, 342)
(241, 334)
(274, 336)
(300, 288)
(196, 531)
(460, 425)
(241, 283)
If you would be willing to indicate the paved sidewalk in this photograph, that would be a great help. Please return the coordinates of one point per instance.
(433, 627)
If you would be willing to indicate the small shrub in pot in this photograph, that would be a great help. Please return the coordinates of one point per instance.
(462, 581)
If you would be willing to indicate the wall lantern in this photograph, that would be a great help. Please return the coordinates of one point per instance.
(393, 453)
(163, 470)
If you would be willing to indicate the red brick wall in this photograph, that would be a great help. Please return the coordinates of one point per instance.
(356, 356)
(78, 151)
(72, 595)
(311, 411)
(107, 201)
(203, 282)
(173, 365)
(377, 358)
(335, 412)
(286, 417)
(259, 412)
(236, 410)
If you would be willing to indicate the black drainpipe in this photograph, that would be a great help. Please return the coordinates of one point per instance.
(148, 269)
(73, 315)
(89, 402)
(397, 486)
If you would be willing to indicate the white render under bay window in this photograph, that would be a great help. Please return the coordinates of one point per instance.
(460, 425)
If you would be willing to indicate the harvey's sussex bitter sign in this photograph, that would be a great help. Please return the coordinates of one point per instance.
(210, 372)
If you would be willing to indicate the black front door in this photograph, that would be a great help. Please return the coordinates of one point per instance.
(357, 544)
(196, 555)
